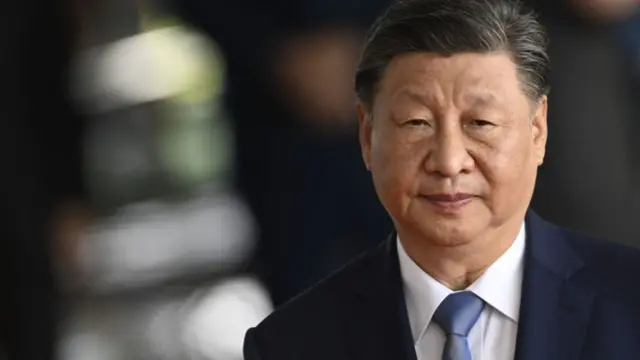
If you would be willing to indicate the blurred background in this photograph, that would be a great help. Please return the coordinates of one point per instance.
(178, 168)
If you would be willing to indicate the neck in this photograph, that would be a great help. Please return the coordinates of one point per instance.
(459, 266)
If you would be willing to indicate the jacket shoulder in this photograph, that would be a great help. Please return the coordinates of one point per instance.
(610, 268)
(605, 255)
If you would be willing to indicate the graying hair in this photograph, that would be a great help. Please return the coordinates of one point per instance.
(456, 26)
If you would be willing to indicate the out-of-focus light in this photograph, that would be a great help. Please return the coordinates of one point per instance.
(88, 346)
(162, 331)
(148, 67)
(155, 242)
(215, 328)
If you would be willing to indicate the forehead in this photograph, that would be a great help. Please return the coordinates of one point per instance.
(489, 77)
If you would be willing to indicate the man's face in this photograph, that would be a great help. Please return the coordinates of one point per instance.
(453, 144)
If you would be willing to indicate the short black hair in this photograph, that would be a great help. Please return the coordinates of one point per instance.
(456, 26)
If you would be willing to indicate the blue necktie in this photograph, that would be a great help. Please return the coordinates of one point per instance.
(456, 316)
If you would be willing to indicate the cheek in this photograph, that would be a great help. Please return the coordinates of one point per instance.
(502, 167)
(395, 165)
(507, 169)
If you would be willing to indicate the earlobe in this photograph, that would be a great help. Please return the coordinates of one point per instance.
(364, 133)
(540, 129)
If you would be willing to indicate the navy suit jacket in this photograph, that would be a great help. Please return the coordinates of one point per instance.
(580, 300)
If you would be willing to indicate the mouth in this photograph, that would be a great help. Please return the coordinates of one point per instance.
(449, 203)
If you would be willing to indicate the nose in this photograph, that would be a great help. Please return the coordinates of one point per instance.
(449, 155)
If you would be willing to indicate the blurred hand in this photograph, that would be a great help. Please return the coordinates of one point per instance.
(314, 75)
(606, 9)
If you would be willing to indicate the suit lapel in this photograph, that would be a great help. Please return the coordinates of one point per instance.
(555, 308)
(378, 327)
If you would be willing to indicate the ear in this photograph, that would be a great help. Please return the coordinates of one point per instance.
(365, 129)
(539, 127)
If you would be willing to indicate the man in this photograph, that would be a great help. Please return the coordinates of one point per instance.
(453, 126)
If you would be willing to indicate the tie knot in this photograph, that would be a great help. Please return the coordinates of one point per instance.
(458, 313)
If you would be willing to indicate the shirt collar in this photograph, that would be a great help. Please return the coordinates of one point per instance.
(500, 286)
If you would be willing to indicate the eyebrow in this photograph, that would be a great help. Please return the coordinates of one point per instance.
(481, 98)
(473, 98)
(416, 95)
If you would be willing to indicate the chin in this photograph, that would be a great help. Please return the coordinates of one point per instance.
(444, 235)
(445, 230)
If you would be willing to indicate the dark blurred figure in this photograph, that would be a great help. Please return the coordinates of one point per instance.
(40, 155)
(590, 178)
(290, 91)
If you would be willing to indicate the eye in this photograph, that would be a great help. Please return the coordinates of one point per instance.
(481, 123)
(418, 122)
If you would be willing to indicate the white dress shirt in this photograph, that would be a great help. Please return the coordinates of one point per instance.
(493, 337)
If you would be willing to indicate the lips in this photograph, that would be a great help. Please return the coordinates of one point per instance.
(449, 203)
(449, 197)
